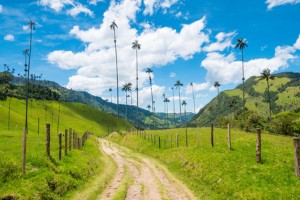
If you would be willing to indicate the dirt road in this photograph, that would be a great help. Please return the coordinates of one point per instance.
(140, 178)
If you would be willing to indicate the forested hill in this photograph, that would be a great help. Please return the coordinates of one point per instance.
(44, 89)
(284, 95)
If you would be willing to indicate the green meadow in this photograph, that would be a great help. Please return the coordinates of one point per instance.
(50, 178)
(217, 172)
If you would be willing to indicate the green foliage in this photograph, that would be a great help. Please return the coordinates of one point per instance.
(286, 124)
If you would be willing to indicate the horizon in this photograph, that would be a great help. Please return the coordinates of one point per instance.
(180, 40)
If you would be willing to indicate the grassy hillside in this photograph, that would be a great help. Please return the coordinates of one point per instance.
(49, 178)
(285, 97)
(219, 173)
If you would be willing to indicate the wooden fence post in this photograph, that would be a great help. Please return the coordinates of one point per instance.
(212, 135)
(38, 125)
(297, 156)
(158, 142)
(59, 145)
(48, 139)
(258, 146)
(198, 138)
(70, 139)
(66, 142)
(186, 138)
(229, 136)
(177, 144)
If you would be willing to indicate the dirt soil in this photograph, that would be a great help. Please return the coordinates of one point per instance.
(151, 181)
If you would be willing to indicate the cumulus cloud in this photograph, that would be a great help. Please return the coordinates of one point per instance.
(9, 37)
(197, 87)
(224, 40)
(80, 9)
(227, 69)
(172, 75)
(96, 64)
(1, 8)
(152, 5)
(76, 7)
(95, 2)
(297, 43)
(274, 3)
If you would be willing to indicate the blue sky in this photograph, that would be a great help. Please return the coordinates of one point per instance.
(190, 41)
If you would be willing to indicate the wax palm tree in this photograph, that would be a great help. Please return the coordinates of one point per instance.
(126, 88)
(167, 101)
(164, 98)
(192, 85)
(184, 105)
(149, 107)
(149, 71)
(31, 25)
(241, 44)
(110, 90)
(173, 102)
(232, 104)
(113, 26)
(266, 75)
(177, 85)
(217, 85)
(137, 46)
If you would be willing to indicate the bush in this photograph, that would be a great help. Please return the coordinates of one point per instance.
(286, 124)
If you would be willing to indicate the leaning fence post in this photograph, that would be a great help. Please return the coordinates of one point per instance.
(59, 145)
(48, 139)
(229, 136)
(70, 139)
(297, 155)
(177, 144)
(212, 135)
(258, 146)
(66, 142)
(158, 142)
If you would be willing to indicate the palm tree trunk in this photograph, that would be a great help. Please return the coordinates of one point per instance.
(8, 121)
(126, 111)
(179, 106)
(151, 95)
(194, 99)
(173, 104)
(269, 99)
(243, 79)
(117, 73)
(137, 89)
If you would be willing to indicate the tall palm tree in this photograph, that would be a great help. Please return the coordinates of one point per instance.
(167, 101)
(241, 44)
(126, 88)
(149, 71)
(110, 90)
(178, 84)
(113, 26)
(266, 75)
(164, 98)
(232, 104)
(31, 25)
(192, 85)
(217, 85)
(173, 102)
(149, 107)
(137, 46)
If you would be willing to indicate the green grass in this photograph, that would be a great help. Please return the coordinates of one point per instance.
(219, 173)
(49, 178)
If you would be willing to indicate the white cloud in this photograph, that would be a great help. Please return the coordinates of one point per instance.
(179, 14)
(226, 69)
(79, 8)
(224, 40)
(172, 75)
(56, 5)
(76, 9)
(25, 28)
(152, 5)
(95, 2)
(297, 43)
(96, 64)
(9, 37)
(197, 87)
(274, 3)
(1, 8)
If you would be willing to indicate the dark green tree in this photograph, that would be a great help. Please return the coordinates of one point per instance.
(266, 75)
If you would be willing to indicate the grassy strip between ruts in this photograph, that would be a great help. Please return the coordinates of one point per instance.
(219, 173)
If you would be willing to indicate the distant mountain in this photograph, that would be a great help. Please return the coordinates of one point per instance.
(145, 120)
(284, 92)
